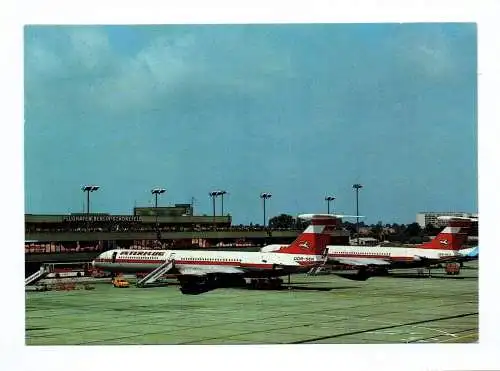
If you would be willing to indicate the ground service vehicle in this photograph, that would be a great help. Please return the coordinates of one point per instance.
(452, 268)
(120, 282)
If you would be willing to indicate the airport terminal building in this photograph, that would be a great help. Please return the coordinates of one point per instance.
(425, 218)
(82, 236)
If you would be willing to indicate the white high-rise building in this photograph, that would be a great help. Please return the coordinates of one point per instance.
(431, 217)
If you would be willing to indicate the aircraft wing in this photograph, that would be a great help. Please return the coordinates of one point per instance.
(430, 260)
(358, 261)
(204, 270)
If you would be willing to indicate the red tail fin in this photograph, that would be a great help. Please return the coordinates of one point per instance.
(314, 239)
(451, 238)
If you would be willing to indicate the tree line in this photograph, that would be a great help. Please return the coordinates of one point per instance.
(405, 233)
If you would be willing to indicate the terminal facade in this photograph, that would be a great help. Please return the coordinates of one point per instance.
(85, 235)
(431, 217)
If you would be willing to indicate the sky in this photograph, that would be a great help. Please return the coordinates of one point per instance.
(301, 111)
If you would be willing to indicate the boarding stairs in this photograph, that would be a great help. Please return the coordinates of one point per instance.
(38, 275)
(315, 270)
(155, 274)
(318, 268)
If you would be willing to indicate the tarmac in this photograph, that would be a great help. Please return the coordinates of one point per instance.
(316, 309)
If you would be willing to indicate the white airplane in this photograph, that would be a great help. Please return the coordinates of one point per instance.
(471, 253)
(445, 247)
(200, 270)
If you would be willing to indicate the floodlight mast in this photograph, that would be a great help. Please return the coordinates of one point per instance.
(213, 194)
(357, 187)
(265, 196)
(156, 192)
(88, 189)
(328, 199)
(221, 194)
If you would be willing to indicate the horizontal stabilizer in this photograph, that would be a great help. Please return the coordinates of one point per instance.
(447, 218)
(333, 216)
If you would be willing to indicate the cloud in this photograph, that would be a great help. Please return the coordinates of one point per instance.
(435, 61)
(43, 61)
(431, 50)
(85, 65)
(89, 47)
(158, 69)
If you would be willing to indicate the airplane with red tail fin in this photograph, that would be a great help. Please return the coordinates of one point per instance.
(445, 247)
(201, 270)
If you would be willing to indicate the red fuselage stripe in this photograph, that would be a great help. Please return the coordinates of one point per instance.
(195, 262)
(185, 262)
(368, 256)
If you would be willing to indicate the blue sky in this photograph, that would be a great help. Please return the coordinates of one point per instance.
(300, 111)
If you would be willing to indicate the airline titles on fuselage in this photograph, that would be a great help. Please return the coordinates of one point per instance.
(143, 253)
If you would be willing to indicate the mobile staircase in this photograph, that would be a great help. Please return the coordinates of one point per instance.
(317, 270)
(38, 275)
(155, 274)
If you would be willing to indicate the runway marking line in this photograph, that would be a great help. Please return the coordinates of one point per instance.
(460, 337)
(382, 328)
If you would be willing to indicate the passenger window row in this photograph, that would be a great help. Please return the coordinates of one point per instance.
(363, 253)
(212, 259)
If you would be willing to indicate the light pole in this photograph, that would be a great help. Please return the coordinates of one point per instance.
(221, 194)
(357, 187)
(88, 189)
(213, 194)
(156, 192)
(265, 196)
(328, 199)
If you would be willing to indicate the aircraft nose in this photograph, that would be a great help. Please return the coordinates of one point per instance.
(94, 263)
